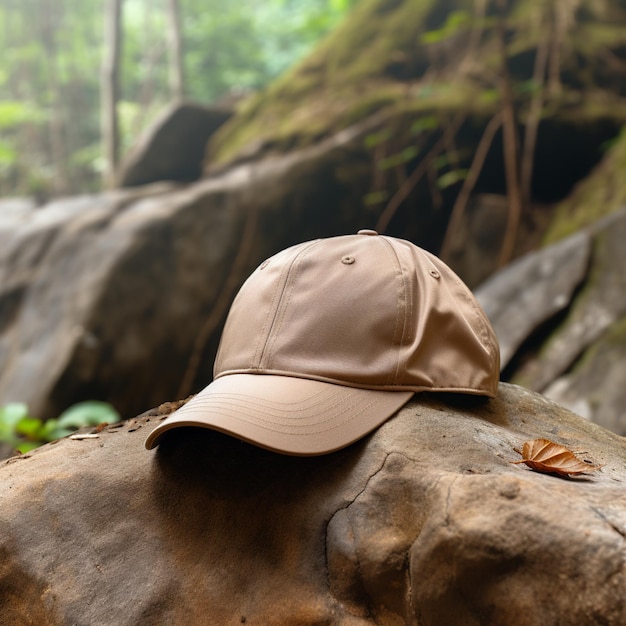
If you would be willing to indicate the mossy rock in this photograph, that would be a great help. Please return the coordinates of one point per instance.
(425, 55)
(599, 303)
(595, 386)
(603, 192)
(345, 79)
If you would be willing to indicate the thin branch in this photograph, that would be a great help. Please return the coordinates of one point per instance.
(470, 182)
(534, 117)
(400, 174)
(378, 178)
(435, 192)
(403, 192)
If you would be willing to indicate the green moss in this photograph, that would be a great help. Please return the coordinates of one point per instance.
(341, 82)
(379, 59)
(360, 108)
(592, 37)
(613, 340)
(379, 32)
(599, 280)
(598, 195)
(617, 332)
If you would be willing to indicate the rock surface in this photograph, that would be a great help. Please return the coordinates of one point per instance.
(533, 289)
(600, 303)
(559, 316)
(425, 522)
(595, 387)
(173, 147)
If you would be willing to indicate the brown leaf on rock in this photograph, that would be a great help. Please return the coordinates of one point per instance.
(546, 456)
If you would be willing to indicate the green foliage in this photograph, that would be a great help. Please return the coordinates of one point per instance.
(24, 432)
(374, 139)
(399, 158)
(456, 22)
(375, 197)
(7, 154)
(10, 415)
(332, 84)
(52, 56)
(14, 114)
(424, 124)
(489, 96)
(451, 178)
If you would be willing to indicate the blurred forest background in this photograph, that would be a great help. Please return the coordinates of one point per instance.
(54, 66)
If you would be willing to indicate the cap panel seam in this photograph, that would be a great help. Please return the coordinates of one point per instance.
(271, 313)
(256, 360)
(278, 314)
(401, 325)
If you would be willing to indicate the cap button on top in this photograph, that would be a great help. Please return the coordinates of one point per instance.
(367, 231)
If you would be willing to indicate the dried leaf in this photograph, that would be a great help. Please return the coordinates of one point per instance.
(546, 456)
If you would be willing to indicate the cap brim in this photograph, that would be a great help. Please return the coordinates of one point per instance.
(289, 415)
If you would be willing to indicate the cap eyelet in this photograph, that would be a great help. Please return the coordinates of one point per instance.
(264, 264)
(434, 273)
(347, 260)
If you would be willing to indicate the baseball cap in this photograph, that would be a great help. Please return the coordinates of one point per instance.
(327, 339)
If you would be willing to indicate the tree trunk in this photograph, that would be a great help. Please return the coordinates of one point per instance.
(176, 54)
(110, 90)
(51, 20)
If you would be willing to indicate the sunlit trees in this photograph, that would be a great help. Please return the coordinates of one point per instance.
(110, 89)
(176, 50)
(55, 59)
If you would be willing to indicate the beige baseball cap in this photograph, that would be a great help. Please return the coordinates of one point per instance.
(329, 338)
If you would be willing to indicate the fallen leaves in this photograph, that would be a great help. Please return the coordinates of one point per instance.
(548, 457)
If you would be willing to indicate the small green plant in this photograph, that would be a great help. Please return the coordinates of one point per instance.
(24, 432)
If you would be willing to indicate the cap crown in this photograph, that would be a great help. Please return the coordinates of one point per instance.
(361, 310)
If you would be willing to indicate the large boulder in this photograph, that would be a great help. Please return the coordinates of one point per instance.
(173, 147)
(595, 388)
(532, 290)
(559, 316)
(599, 303)
(424, 522)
